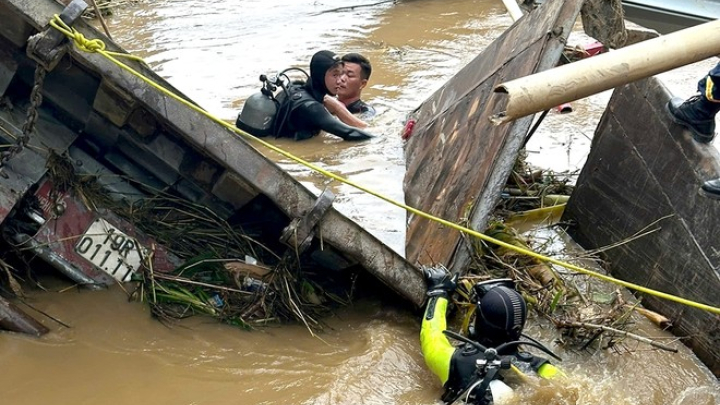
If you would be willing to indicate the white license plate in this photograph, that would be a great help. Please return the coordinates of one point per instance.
(110, 250)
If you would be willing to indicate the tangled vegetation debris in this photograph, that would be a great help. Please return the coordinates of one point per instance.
(225, 273)
(590, 314)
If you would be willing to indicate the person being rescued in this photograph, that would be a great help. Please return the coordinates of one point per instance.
(298, 111)
(348, 106)
(471, 372)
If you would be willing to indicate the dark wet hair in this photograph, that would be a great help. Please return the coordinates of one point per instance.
(365, 66)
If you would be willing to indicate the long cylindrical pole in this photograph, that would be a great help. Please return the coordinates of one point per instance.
(544, 90)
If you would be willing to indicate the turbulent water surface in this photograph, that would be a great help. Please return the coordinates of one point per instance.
(214, 51)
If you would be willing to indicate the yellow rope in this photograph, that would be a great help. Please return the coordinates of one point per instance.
(97, 46)
(89, 45)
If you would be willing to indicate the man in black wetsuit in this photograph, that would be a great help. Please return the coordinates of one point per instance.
(303, 115)
(499, 320)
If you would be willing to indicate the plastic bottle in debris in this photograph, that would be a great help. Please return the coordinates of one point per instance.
(253, 285)
(217, 301)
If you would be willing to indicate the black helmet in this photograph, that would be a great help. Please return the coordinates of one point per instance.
(500, 315)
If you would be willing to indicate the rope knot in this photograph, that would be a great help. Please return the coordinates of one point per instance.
(88, 45)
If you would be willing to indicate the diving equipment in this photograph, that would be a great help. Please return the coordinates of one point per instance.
(257, 116)
(260, 111)
(481, 366)
(500, 315)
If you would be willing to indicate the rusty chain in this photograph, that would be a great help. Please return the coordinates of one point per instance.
(30, 120)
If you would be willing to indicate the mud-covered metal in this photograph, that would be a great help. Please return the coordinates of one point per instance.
(108, 118)
(44, 47)
(300, 232)
(643, 176)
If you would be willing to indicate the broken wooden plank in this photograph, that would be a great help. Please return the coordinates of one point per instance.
(603, 20)
(457, 161)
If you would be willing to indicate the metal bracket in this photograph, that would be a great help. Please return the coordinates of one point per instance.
(300, 232)
(44, 47)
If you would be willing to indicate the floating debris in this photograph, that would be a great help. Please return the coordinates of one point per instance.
(590, 314)
(226, 274)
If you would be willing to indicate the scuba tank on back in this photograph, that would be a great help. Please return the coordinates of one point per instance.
(263, 113)
(258, 113)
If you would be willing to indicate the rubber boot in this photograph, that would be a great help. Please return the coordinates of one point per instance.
(697, 114)
(711, 188)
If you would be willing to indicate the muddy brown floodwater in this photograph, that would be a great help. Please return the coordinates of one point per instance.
(214, 51)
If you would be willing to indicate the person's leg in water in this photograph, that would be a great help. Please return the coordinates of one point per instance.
(697, 113)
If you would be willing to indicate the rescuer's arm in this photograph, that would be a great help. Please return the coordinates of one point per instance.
(337, 108)
(435, 347)
(544, 369)
(316, 115)
(549, 371)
